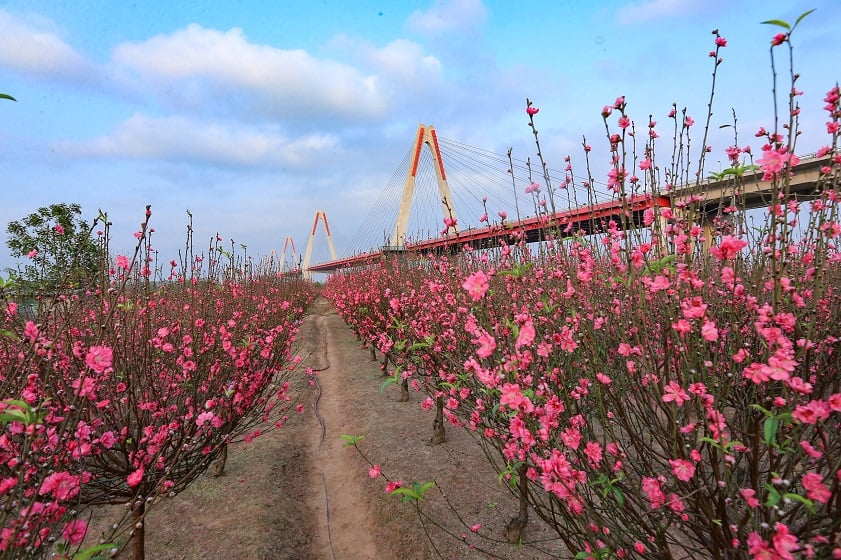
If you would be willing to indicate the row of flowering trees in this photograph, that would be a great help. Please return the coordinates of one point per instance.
(643, 396)
(125, 392)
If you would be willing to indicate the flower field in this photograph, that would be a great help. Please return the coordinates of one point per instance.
(667, 393)
(671, 391)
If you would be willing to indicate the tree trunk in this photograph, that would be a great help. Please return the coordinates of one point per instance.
(138, 544)
(439, 434)
(219, 464)
(373, 353)
(404, 390)
(384, 365)
(514, 530)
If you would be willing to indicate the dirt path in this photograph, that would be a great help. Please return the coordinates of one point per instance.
(298, 493)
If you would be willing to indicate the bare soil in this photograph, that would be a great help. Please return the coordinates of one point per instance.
(300, 493)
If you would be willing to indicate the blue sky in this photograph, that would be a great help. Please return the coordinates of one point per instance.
(253, 115)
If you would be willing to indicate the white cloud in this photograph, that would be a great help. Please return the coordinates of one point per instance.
(210, 64)
(183, 139)
(33, 48)
(402, 68)
(655, 9)
(449, 16)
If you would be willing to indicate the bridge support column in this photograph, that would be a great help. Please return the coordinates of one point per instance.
(305, 266)
(426, 135)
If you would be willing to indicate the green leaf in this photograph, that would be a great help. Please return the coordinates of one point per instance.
(7, 96)
(386, 383)
(9, 334)
(770, 430)
(88, 553)
(413, 494)
(777, 22)
(420, 489)
(711, 441)
(803, 15)
(393, 379)
(14, 416)
(619, 496)
(798, 498)
(351, 440)
(774, 496)
(762, 410)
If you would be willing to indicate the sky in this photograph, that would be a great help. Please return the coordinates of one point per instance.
(253, 115)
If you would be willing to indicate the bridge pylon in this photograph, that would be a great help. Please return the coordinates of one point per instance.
(305, 266)
(426, 135)
(289, 243)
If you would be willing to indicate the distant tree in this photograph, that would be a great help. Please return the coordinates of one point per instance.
(57, 247)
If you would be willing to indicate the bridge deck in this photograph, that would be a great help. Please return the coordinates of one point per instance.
(753, 193)
(541, 228)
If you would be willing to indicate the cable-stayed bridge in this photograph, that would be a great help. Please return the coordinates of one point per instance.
(446, 195)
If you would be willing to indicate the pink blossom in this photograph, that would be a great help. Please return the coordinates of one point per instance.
(205, 417)
(784, 542)
(749, 495)
(487, 345)
(475, 528)
(59, 229)
(374, 472)
(32, 254)
(674, 392)
(721, 41)
(645, 164)
(593, 451)
(773, 162)
(532, 110)
(62, 485)
(571, 437)
(526, 335)
(651, 487)
(99, 358)
(84, 387)
(682, 469)
(688, 121)
(533, 187)
(74, 532)
(391, 486)
(107, 440)
(778, 39)
(476, 285)
(513, 398)
(135, 477)
(729, 248)
(30, 331)
(693, 308)
(815, 488)
(122, 262)
(811, 413)
(759, 549)
(810, 450)
(709, 331)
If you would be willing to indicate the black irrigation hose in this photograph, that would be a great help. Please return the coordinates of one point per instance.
(323, 434)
